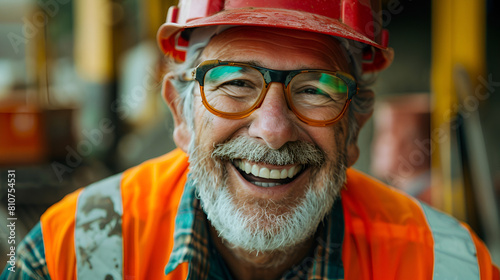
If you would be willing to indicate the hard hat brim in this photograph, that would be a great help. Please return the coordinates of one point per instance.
(278, 18)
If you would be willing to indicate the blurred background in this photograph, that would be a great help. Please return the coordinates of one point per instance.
(80, 100)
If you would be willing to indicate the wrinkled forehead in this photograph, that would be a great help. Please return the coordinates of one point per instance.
(247, 42)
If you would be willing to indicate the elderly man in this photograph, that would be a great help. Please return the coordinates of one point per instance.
(268, 99)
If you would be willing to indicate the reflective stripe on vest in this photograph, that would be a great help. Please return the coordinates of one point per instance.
(454, 249)
(98, 231)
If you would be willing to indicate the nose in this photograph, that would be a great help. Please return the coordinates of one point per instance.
(273, 122)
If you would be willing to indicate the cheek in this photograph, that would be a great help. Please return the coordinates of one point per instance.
(202, 124)
(330, 139)
(211, 129)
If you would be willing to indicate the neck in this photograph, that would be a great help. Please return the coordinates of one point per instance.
(245, 265)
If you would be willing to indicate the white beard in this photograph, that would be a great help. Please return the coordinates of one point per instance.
(264, 226)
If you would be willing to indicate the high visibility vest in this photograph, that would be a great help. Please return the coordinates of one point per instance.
(123, 227)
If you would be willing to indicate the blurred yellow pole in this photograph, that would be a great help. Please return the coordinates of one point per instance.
(458, 39)
(154, 14)
(94, 62)
(151, 15)
(93, 40)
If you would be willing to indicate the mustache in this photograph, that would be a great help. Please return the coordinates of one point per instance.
(296, 152)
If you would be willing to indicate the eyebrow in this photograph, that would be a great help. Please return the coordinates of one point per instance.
(253, 63)
(258, 64)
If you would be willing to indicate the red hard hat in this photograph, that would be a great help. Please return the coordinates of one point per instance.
(358, 20)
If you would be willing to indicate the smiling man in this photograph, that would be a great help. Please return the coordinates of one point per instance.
(266, 180)
(268, 98)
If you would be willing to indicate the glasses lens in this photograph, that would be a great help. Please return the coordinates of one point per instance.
(232, 89)
(318, 96)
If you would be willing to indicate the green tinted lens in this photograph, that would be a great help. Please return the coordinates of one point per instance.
(232, 89)
(318, 95)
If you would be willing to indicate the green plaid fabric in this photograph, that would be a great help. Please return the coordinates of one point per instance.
(192, 245)
(30, 262)
(191, 238)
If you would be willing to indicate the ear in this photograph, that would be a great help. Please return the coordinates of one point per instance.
(361, 119)
(182, 135)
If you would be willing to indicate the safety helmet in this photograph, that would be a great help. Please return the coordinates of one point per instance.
(358, 20)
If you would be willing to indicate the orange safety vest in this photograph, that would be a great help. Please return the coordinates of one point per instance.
(388, 235)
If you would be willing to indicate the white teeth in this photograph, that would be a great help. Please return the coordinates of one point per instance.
(248, 167)
(255, 170)
(284, 174)
(275, 174)
(266, 173)
(265, 185)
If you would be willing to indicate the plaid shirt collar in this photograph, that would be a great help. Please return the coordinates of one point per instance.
(192, 245)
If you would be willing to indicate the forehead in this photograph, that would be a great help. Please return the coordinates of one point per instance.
(278, 49)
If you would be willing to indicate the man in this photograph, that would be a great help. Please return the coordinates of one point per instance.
(267, 103)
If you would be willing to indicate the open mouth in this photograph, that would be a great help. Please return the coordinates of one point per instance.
(265, 177)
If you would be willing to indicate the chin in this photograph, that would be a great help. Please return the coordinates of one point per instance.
(240, 210)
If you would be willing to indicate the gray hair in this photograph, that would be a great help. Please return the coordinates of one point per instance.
(360, 104)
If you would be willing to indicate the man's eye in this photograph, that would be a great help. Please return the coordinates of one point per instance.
(237, 83)
(313, 91)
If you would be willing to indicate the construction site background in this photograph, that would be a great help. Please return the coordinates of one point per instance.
(80, 100)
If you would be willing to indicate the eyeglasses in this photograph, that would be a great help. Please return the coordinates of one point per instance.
(234, 90)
